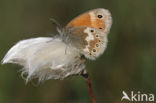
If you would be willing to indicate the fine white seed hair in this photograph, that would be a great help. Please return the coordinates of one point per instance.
(45, 58)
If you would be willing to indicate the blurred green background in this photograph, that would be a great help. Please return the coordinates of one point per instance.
(129, 63)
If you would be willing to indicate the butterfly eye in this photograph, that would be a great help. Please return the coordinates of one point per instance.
(100, 28)
(94, 50)
(99, 16)
(99, 40)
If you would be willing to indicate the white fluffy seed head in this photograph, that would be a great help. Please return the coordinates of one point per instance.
(45, 58)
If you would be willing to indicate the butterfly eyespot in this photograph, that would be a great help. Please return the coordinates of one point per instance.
(97, 36)
(99, 40)
(97, 45)
(99, 16)
(100, 28)
(94, 50)
(91, 30)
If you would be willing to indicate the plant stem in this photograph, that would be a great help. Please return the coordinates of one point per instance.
(86, 76)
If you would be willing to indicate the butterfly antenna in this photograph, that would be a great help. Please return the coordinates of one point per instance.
(86, 76)
(59, 28)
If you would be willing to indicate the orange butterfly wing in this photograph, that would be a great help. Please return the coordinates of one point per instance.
(97, 18)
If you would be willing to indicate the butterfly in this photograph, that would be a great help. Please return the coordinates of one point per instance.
(63, 55)
(88, 32)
